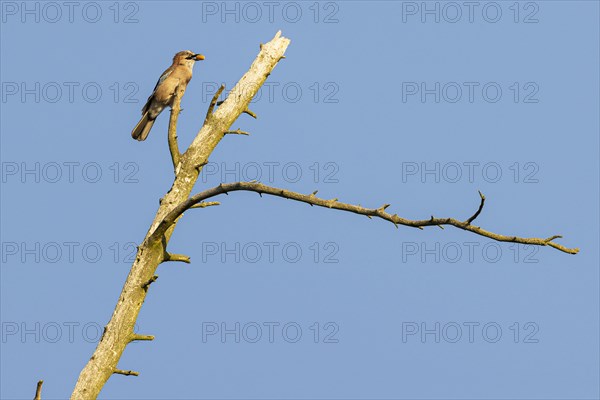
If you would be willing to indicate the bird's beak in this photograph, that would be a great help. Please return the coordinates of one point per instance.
(199, 57)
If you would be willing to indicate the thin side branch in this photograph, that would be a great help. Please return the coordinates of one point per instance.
(205, 204)
(38, 391)
(172, 135)
(213, 103)
(142, 337)
(250, 113)
(128, 373)
(369, 212)
(238, 131)
(472, 218)
(172, 257)
(177, 257)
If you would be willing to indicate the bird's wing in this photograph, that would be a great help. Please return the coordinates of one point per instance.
(160, 80)
(163, 77)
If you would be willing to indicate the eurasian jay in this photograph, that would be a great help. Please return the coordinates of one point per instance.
(179, 73)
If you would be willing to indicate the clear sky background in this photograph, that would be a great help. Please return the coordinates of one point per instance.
(356, 308)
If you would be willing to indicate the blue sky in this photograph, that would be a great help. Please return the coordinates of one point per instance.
(415, 104)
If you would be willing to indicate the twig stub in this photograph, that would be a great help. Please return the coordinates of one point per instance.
(38, 390)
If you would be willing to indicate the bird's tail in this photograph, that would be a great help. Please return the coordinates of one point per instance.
(142, 129)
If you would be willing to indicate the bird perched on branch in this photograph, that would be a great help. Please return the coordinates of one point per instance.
(179, 73)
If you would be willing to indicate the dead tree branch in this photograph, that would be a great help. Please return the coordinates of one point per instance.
(119, 331)
(213, 103)
(369, 212)
(172, 135)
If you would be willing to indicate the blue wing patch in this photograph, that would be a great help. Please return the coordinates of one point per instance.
(162, 78)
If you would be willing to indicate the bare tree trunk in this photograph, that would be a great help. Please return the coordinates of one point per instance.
(119, 331)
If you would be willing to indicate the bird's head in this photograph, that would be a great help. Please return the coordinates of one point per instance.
(187, 58)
